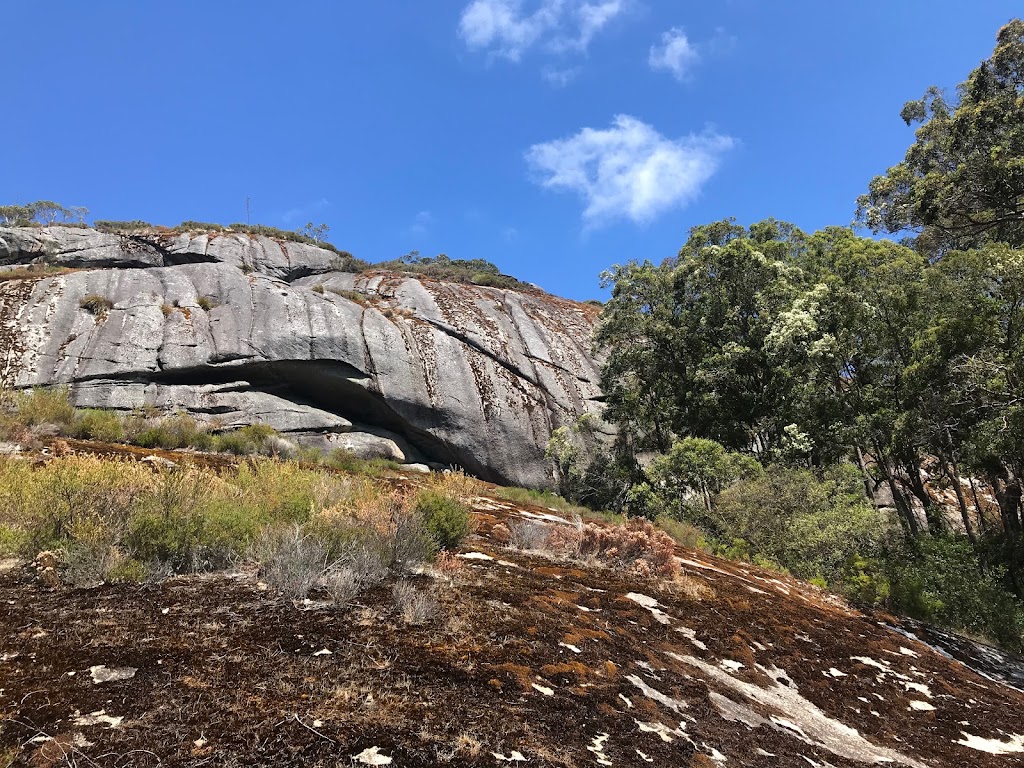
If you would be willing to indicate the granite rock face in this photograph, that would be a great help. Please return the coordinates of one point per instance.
(237, 329)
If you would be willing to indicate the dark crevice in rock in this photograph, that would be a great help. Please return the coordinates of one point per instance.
(170, 258)
(335, 387)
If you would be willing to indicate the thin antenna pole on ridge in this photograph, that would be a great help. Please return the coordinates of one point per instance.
(247, 222)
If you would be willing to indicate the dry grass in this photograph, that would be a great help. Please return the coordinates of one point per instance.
(414, 605)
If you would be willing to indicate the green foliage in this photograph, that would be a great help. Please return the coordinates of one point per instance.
(315, 232)
(119, 227)
(206, 303)
(14, 540)
(97, 305)
(43, 406)
(936, 579)
(128, 571)
(43, 212)
(961, 182)
(177, 431)
(700, 465)
(686, 341)
(198, 226)
(441, 267)
(445, 518)
(96, 424)
(808, 525)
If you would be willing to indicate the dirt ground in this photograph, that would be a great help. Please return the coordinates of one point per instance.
(528, 661)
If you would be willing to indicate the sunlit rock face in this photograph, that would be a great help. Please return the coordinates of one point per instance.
(237, 329)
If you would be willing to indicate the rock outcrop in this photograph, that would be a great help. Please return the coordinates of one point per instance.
(236, 329)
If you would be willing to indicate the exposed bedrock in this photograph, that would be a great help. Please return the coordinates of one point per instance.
(237, 329)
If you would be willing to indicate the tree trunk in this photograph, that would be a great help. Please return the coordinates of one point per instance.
(932, 513)
(977, 505)
(903, 507)
(953, 473)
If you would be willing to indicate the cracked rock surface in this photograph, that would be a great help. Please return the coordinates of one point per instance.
(238, 329)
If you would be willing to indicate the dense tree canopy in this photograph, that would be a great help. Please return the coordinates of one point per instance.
(762, 365)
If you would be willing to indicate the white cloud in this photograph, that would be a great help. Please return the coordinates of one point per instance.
(589, 19)
(504, 28)
(675, 54)
(559, 78)
(629, 169)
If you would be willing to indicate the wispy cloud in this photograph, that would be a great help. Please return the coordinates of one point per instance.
(588, 19)
(303, 213)
(421, 222)
(559, 78)
(675, 54)
(628, 170)
(503, 28)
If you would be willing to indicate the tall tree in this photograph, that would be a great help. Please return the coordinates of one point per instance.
(961, 183)
(686, 340)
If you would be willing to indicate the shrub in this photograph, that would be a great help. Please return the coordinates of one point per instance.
(808, 525)
(13, 540)
(637, 545)
(254, 438)
(198, 226)
(178, 431)
(96, 424)
(937, 579)
(291, 561)
(206, 303)
(128, 571)
(414, 605)
(96, 305)
(318, 288)
(115, 227)
(528, 534)
(44, 406)
(446, 519)
(441, 267)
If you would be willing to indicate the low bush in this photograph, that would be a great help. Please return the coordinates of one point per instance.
(96, 305)
(937, 579)
(117, 227)
(414, 605)
(291, 561)
(172, 432)
(528, 534)
(442, 267)
(445, 518)
(198, 226)
(637, 546)
(805, 524)
(206, 303)
(254, 438)
(43, 406)
(96, 424)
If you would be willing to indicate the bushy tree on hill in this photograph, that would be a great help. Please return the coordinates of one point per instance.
(43, 212)
(961, 184)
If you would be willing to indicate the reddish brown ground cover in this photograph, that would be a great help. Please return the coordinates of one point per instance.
(559, 663)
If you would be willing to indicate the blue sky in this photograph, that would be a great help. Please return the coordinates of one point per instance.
(553, 137)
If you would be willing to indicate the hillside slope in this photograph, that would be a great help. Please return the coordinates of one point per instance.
(529, 660)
